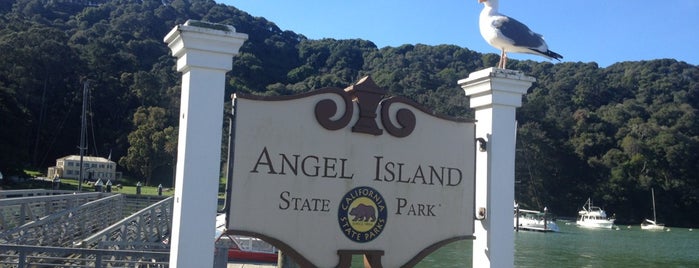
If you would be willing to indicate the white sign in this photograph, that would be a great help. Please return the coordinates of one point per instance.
(330, 171)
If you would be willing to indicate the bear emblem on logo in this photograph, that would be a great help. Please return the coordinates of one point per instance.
(362, 214)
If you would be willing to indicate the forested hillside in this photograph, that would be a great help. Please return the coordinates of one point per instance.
(583, 131)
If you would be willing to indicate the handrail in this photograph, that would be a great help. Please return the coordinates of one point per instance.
(31, 192)
(28, 256)
(60, 229)
(158, 216)
(18, 211)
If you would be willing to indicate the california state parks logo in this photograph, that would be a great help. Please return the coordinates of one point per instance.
(362, 214)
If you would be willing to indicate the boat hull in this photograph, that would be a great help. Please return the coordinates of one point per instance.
(598, 224)
(532, 220)
(652, 226)
(539, 227)
(249, 256)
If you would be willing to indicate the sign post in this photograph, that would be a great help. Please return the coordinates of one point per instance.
(494, 94)
(334, 173)
(204, 54)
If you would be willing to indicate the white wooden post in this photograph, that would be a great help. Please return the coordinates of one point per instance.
(494, 94)
(204, 54)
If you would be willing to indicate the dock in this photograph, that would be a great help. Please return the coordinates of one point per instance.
(250, 265)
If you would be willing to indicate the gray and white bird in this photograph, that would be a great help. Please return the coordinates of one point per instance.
(509, 35)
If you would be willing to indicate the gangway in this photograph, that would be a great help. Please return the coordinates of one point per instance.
(145, 229)
(84, 230)
(63, 228)
(20, 207)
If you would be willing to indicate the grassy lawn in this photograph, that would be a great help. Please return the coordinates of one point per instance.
(70, 184)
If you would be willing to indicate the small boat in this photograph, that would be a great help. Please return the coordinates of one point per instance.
(652, 225)
(245, 248)
(250, 249)
(593, 217)
(533, 220)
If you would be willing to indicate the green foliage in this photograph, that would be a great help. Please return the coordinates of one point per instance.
(151, 143)
(583, 131)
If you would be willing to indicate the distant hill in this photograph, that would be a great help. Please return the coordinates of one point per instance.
(583, 131)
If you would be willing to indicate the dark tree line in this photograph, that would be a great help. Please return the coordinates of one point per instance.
(609, 133)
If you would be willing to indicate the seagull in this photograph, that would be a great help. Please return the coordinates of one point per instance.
(509, 35)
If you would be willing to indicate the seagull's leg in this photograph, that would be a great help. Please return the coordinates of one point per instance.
(501, 63)
(504, 61)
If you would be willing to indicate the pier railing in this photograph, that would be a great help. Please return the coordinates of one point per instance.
(145, 229)
(94, 234)
(66, 226)
(35, 256)
(18, 211)
(31, 192)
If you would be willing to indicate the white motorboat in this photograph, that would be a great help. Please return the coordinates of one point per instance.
(652, 225)
(593, 217)
(533, 220)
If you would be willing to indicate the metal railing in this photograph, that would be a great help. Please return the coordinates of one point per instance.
(28, 206)
(35, 256)
(111, 240)
(67, 226)
(136, 202)
(31, 192)
(145, 229)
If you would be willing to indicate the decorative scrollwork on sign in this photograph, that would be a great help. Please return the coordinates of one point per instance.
(367, 95)
(372, 108)
(404, 117)
(371, 104)
(326, 109)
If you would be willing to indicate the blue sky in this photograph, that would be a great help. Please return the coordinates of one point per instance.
(605, 32)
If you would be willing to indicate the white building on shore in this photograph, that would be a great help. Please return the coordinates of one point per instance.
(94, 168)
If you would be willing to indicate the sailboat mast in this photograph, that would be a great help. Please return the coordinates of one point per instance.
(83, 127)
(652, 193)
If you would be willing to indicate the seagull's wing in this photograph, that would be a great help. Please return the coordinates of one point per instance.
(519, 33)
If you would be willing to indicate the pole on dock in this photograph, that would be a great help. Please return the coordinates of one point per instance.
(495, 94)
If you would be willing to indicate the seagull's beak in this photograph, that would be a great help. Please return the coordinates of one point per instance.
(481, 1)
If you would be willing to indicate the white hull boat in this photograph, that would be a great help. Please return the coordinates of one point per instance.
(652, 225)
(593, 217)
(532, 220)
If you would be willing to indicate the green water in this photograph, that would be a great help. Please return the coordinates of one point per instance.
(577, 247)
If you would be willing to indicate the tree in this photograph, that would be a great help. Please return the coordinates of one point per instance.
(151, 143)
(40, 72)
(607, 133)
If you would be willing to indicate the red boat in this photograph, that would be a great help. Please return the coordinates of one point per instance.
(250, 249)
(245, 248)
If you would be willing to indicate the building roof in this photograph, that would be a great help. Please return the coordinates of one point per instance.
(86, 159)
